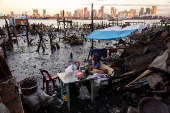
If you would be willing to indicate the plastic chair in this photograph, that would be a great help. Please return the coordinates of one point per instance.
(48, 78)
(77, 62)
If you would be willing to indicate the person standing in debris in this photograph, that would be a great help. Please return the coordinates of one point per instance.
(94, 62)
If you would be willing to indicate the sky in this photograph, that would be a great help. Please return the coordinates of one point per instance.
(54, 6)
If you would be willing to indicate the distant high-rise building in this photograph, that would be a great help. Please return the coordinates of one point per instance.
(154, 8)
(81, 13)
(85, 11)
(94, 13)
(133, 11)
(12, 14)
(44, 12)
(115, 12)
(102, 10)
(141, 11)
(61, 13)
(125, 11)
(99, 13)
(78, 13)
(112, 12)
(35, 12)
(88, 13)
(70, 14)
(75, 13)
(67, 13)
(148, 11)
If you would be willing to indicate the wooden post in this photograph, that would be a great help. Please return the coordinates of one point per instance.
(27, 34)
(92, 23)
(64, 26)
(41, 38)
(51, 42)
(14, 27)
(9, 34)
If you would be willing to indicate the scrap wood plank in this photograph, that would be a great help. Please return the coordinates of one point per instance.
(139, 77)
(132, 72)
(128, 73)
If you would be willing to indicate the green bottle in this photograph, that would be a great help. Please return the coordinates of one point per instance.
(87, 71)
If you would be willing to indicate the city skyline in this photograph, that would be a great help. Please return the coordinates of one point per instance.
(53, 7)
(85, 13)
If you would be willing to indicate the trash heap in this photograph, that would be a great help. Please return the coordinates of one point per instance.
(142, 73)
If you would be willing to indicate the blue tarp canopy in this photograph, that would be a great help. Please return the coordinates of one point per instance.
(108, 35)
(113, 33)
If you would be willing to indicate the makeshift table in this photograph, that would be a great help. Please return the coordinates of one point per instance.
(73, 79)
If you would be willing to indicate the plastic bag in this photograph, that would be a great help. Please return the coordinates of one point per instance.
(34, 101)
(84, 93)
(31, 101)
(70, 70)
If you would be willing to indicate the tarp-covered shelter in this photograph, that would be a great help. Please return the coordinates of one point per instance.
(19, 21)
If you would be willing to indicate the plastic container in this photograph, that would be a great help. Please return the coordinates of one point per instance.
(78, 74)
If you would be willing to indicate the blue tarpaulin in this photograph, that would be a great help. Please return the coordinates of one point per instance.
(109, 35)
(116, 32)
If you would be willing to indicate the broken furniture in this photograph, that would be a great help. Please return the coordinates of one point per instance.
(73, 79)
(20, 23)
(48, 78)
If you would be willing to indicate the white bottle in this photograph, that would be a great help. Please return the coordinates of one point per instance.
(75, 68)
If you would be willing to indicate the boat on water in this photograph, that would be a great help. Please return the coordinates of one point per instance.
(39, 18)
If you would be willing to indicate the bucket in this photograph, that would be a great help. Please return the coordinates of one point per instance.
(28, 86)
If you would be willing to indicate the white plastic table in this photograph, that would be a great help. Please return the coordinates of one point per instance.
(72, 79)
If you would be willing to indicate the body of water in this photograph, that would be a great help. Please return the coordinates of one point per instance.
(81, 22)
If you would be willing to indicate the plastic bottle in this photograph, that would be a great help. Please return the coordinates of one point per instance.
(87, 71)
(73, 69)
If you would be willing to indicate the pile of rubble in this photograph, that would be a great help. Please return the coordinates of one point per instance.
(142, 71)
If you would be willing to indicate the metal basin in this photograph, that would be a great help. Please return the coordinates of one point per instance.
(152, 105)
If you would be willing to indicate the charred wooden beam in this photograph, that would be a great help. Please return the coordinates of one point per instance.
(40, 42)
(4, 69)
